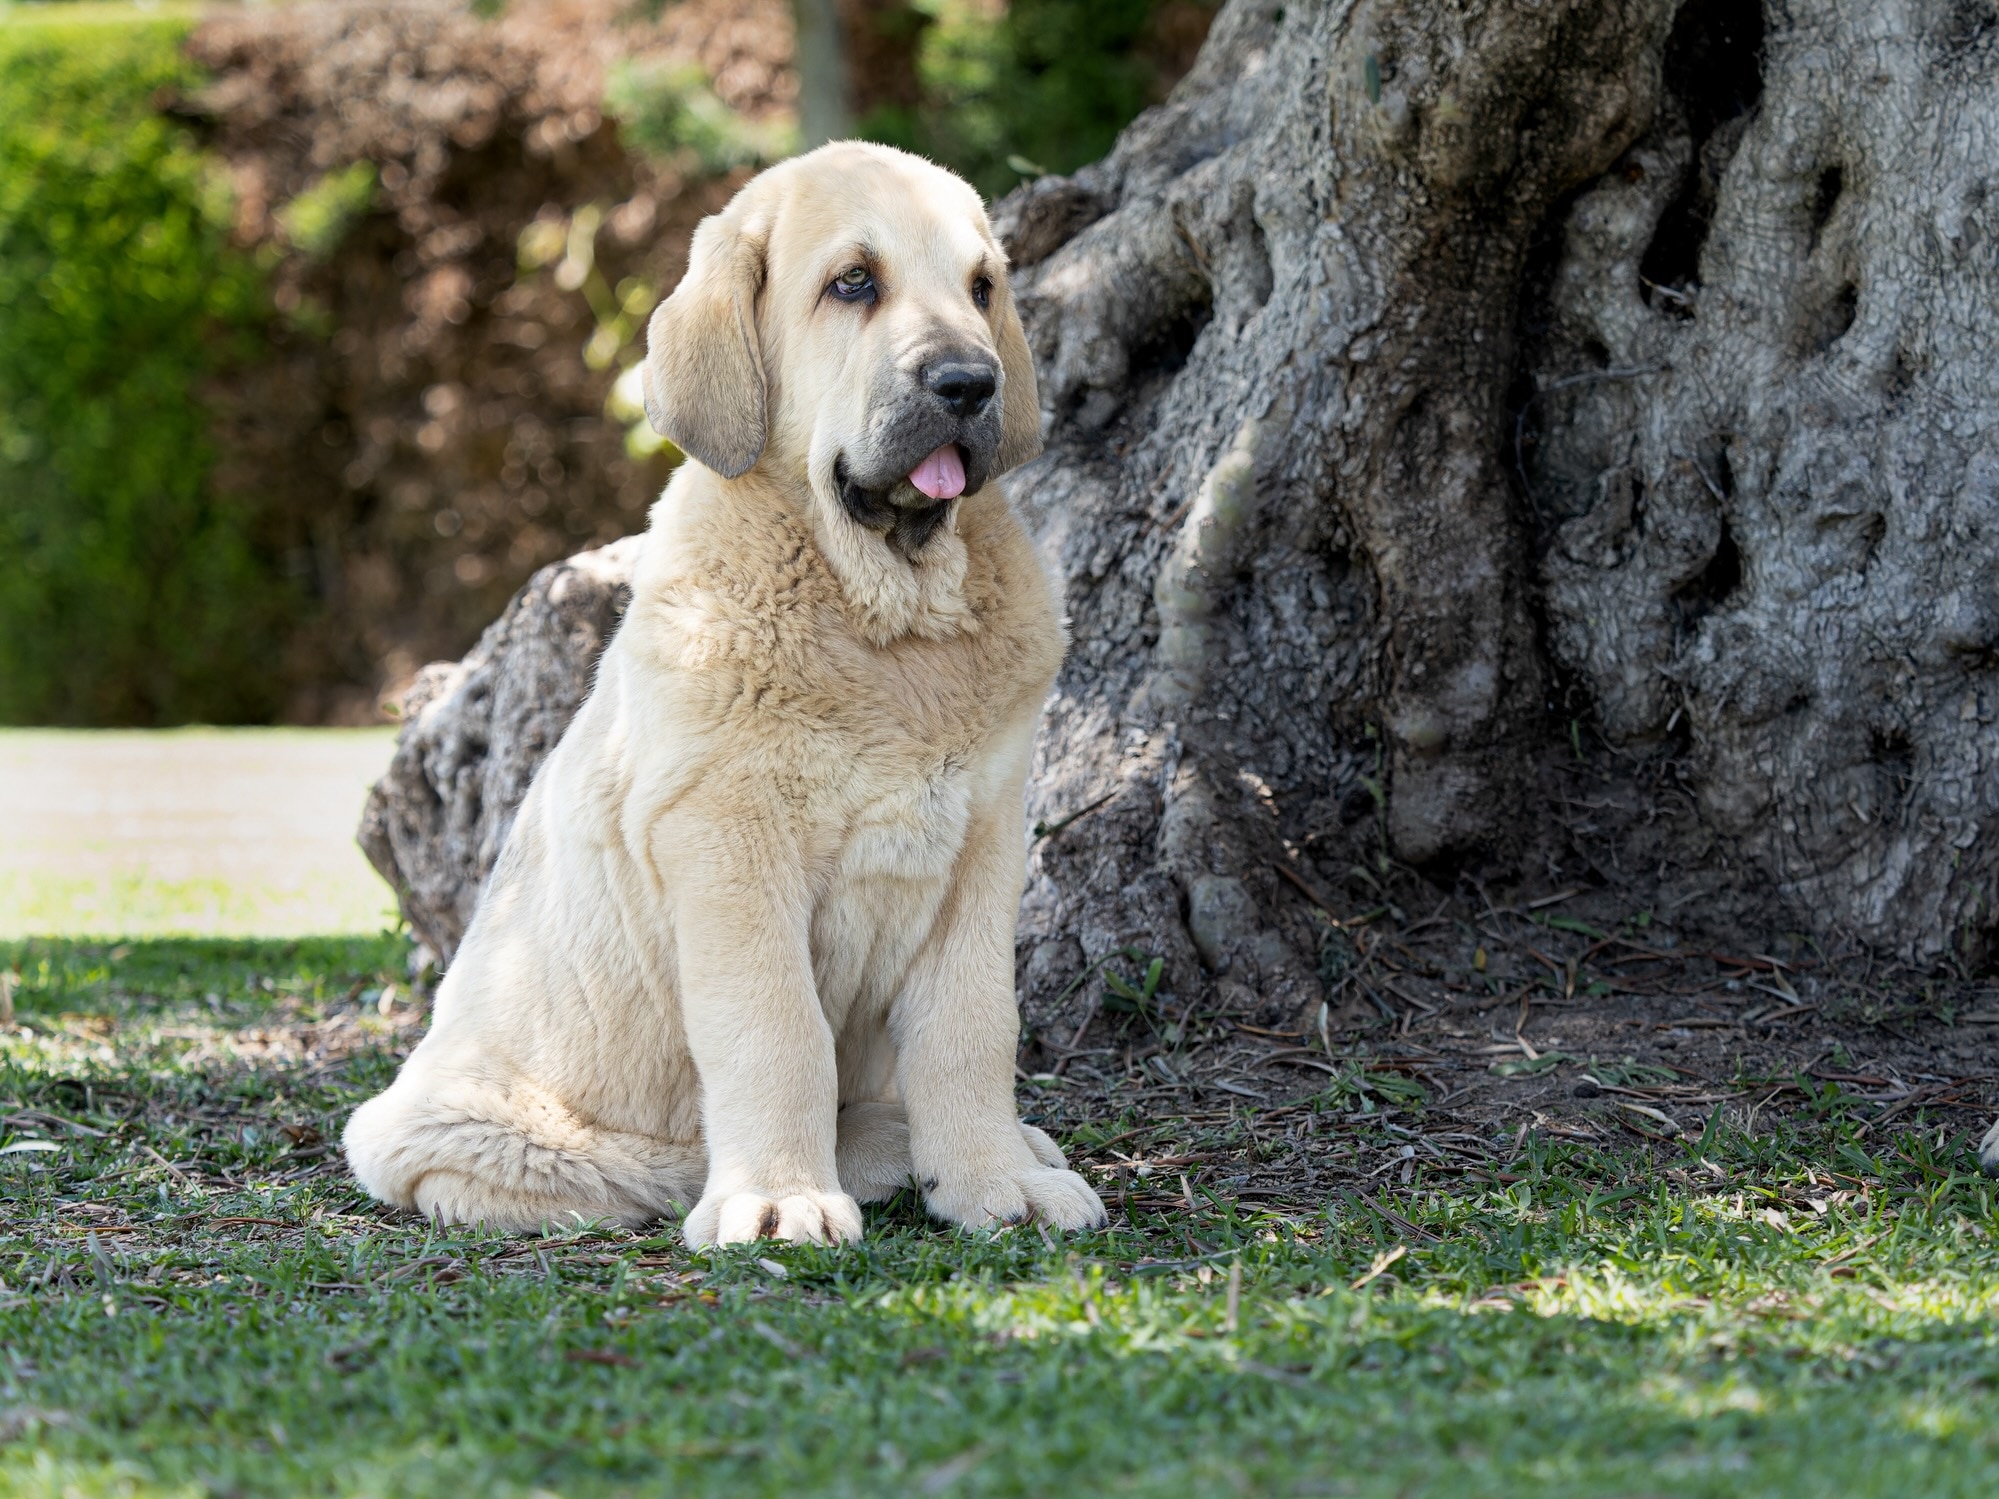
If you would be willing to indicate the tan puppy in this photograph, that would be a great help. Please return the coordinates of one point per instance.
(750, 944)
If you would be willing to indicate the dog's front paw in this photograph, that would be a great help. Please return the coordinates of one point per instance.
(802, 1215)
(1026, 1194)
(1988, 1151)
(874, 1150)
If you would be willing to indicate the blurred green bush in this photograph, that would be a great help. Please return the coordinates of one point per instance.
(1037, 86)
(997, 92)
(318, 219)
(129, 591)
(668, 111)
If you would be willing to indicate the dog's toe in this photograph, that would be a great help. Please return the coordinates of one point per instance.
(1045, 1150)
(1041, 1194)
(802, 1216)
(1064, 1200)
(874, 1150)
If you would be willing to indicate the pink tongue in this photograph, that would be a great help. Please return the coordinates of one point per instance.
(941, 475)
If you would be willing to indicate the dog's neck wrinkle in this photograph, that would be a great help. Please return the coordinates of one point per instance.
(902, 580)
(888, 593)
(912, 529)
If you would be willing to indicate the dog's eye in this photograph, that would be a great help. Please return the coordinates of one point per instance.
(982, 292)
(854, 284)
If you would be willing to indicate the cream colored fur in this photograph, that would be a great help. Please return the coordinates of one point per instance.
(749, 947)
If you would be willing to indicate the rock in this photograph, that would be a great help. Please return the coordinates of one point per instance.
(474, 733)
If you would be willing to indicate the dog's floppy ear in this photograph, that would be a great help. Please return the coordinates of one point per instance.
(704, 372)
(1020, 397)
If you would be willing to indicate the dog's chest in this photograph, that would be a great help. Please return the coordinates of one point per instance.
(885, 884)
(908, 827)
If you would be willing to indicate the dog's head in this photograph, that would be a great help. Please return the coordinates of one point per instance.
(847, 319)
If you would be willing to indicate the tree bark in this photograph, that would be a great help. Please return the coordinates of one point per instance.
(1446, 402)
(1277, 360)
(474, 733)
(1430, 382)
(1764, 475)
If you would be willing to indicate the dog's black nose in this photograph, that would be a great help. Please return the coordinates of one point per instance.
(965, 388)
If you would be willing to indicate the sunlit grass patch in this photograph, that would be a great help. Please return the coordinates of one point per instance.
(119, 902)
(160, 976)
(195, 1299)
(213, 832)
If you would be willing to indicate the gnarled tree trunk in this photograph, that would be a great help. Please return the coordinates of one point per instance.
(1425, 378)
(1440, 394)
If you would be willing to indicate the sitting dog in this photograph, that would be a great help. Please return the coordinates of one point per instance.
(750, 942)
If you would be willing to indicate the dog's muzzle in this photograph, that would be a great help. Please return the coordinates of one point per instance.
(938, 447)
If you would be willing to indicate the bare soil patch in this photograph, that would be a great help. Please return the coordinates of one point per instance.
(1451, 1040)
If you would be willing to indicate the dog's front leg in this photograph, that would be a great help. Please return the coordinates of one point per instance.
(956, 1028)
(760, 1041)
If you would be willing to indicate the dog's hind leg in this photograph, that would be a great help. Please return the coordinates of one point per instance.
(513, 1159)
(872, 1153)
(873, 1150)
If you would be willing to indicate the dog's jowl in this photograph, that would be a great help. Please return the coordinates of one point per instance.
(749, 949)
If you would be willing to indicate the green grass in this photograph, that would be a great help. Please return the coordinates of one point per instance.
(1802, 1310)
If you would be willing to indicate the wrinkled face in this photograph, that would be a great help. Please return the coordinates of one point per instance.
(863, 338)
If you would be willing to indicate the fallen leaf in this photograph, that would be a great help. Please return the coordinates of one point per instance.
(600, 1356)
